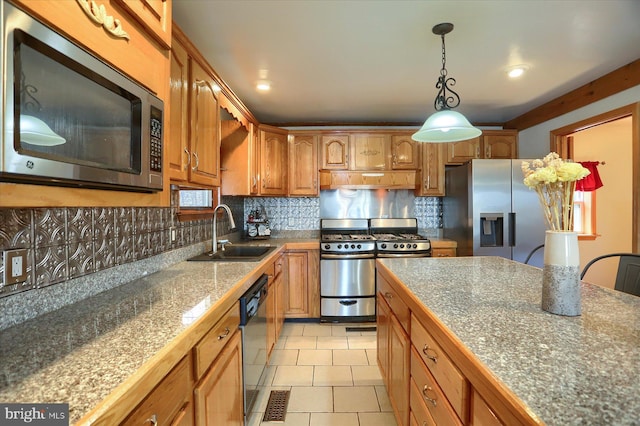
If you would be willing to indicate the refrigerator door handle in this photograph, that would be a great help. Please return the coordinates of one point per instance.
(512, 229)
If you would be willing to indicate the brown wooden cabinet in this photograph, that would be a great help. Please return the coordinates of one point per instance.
(431, 177)
(302, 290)
(369, 152)
(443, 252)
(303, 165)
(154, 16)
(195, 160)
(177, 144)
(394, 348)
(218, 396)
(335, 152)
(273, 161)
(170, 403)
(496, 144)
(404, 152)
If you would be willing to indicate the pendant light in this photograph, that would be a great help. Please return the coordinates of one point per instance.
(445, 125)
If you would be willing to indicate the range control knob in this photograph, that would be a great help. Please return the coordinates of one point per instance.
(359, 246)
(339, 246)
(383, 245)
(401, 246)
(327, 246)
(353, 246)
(415, 246)
(395, 246)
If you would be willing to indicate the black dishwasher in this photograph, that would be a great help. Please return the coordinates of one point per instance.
(253, 324)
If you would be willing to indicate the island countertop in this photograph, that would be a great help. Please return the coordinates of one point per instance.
(582, 370)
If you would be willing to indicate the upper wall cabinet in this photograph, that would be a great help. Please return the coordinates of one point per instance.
(154, 16)
(273, 161)
(404, 152)
(194, 158)
(496, 144)
(303, 165)
(369, 152)
(335, 152)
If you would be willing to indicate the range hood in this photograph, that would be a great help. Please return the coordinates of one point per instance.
(373, 179)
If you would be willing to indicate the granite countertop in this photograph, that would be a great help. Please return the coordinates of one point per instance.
(581, 370)
(81, 353)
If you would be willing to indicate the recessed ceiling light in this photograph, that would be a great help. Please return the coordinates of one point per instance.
(263, 85)
(516, 71)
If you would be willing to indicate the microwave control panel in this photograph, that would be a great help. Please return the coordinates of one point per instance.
(155, 148)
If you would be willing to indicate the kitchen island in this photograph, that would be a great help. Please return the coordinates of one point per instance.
(530, 366)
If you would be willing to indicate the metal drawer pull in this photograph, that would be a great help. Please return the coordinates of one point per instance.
(226, 333)
(434, 357)
(426, 389)
(388, 295)
(153, 420)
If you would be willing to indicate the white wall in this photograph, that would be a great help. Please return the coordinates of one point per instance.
(534, 141)
(611, 143)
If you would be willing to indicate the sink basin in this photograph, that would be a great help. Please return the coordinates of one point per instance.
(235, 253)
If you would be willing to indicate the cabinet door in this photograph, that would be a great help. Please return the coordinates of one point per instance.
(481, 413)
(463, 151)
(383, 322)
(154, 15)
(368, 152)
(399, 371)
(176, 142)
(270, 301)
(432, 175)
(296, 295)
(500, 144)
(254, 160)
(218, 397)
(205, 129)
(273, 161)
(404, 152)
(303, 165)
(335, 152)
(280, 295)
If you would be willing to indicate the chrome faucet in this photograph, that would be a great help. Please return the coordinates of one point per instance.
(215, 220)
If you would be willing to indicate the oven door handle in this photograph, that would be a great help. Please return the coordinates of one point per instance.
(347, 256)
(405, 255)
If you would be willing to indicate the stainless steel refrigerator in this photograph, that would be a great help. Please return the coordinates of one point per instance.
(489, 211)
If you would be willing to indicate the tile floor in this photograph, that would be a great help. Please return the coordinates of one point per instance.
(333, 376)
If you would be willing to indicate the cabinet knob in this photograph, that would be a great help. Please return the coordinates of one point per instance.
(426, 389)
(425, 351)
(195, 167)
(225, 334)
(186, 166)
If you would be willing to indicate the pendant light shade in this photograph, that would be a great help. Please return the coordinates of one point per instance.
(445, 125)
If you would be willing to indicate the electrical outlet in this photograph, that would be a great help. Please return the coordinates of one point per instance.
(15, 266)
(173, 233)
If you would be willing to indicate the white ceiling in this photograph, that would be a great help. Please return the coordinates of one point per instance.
(362, 61)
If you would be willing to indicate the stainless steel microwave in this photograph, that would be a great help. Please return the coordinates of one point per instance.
(69, 119)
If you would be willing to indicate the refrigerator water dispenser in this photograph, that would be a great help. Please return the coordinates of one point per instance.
(491, 230)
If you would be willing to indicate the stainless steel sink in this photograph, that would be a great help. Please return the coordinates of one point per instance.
(235, 253)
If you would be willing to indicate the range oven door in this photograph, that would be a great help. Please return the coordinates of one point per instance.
(347, 277)
(347, 288)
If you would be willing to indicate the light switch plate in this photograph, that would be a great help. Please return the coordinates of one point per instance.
(15, 266)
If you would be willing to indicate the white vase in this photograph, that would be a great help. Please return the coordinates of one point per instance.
(561, 290)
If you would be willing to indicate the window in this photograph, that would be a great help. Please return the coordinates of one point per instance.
(584, 220)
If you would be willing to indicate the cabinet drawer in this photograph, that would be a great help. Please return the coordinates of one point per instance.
(212, 343)
(169, 401)
(419, 412)
(397, 305)
(443, 252)
(431, 394)
(449, 378)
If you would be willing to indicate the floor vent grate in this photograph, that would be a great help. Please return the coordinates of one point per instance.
(361, 329)
(277, 406)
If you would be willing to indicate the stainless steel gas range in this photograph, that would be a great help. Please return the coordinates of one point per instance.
(348, 249)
